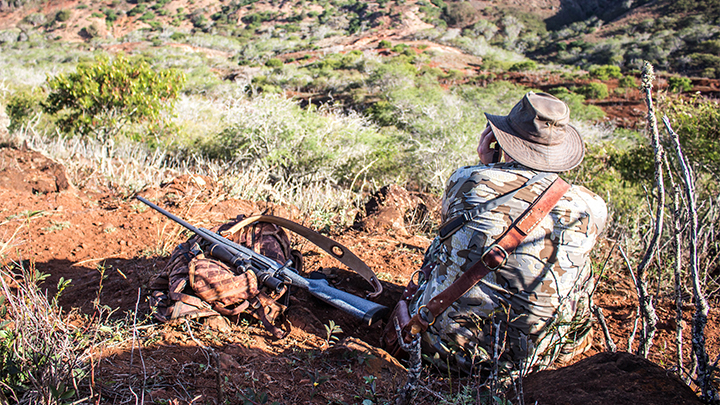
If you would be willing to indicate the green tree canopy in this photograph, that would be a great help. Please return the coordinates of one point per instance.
(98, 99)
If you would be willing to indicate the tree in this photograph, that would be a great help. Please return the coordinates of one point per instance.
(100, 98)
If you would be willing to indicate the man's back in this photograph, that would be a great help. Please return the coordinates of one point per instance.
(541, 290)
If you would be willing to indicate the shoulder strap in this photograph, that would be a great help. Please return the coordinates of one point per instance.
(447, 229)
(492, 259)
(334, 249)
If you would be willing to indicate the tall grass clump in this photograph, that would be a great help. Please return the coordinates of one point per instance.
(299, 145)
(44, 358)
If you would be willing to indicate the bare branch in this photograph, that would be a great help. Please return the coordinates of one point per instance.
(609, 343)
(646, 305)
(708, 392)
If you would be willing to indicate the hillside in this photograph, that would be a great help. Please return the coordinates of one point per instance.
(110, 247)
(347, 117)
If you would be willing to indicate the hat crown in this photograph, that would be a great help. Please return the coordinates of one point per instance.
(540, 118)
(538, 134)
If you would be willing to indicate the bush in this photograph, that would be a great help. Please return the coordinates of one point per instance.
(147, 16)
(274, 63)
(110, 15)
(298, 144)
(679, 84)
(460, 14)
(605, 72)
(89, 32)
(44, 356)
(704, 61)
(178, 36)
(616, 174)
(384, 113)
(139, 9)
(384, 44)
(35, 19)
(63, 15)
(697, 122)
(22, 107)
(523, 66)
(576, 102)
(99, 98)
(627, 82)
(594, 90)
(399, 48)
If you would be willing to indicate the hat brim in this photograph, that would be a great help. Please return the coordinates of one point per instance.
(547, 158)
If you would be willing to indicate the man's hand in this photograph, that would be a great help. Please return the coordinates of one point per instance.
(484, 151)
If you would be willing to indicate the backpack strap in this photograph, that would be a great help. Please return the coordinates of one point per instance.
(492, 259)
(334, 249)
(452, 225)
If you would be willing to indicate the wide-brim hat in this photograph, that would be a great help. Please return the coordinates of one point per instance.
(537, 134)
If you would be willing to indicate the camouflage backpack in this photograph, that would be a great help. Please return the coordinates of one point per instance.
(195, 285)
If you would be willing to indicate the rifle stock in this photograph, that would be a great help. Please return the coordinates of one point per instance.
(275, 275)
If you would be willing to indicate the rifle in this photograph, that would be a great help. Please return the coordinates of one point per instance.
(274, 275)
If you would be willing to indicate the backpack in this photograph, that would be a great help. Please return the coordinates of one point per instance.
(195, 285)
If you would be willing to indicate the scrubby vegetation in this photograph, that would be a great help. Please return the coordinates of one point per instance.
(273, 113)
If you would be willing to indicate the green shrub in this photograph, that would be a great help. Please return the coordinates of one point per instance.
(627, 82)
(350, 59)
(139, 9)
(523, 66)
(91, 31)
(605, 72)
(704, 61)
(274, 63)
(460, 14)
(399, 48)
(147, 16)
(383, 113)
(99, 98)
(291, 142)
(63, 15)
(22, 107)
(178, 36)
(199, 20)
(384, 44)
(110, 15)
(679, 84)
(616, 174)
(594, 90)
(262, 84)
(697, 122)
(43, 357)
(576, 102)
(331, 62)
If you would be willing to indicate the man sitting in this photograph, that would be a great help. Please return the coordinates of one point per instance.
(541, 296)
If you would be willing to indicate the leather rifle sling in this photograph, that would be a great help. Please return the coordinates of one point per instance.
(334, 249)
(493, 258)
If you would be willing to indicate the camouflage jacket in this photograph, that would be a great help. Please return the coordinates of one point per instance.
(542, 293)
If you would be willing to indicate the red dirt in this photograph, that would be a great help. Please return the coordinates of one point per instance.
(110, 247)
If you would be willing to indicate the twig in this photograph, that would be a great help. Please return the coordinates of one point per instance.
(631, 338)
(708, 392)
(602, 270)
(646, 305)
(132, 351)
(677, 270)
(519, 385)
(609, 343)
(415, 367)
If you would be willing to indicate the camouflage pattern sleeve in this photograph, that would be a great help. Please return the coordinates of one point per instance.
(541, 293)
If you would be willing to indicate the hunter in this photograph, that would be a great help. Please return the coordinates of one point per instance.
(535, 299)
